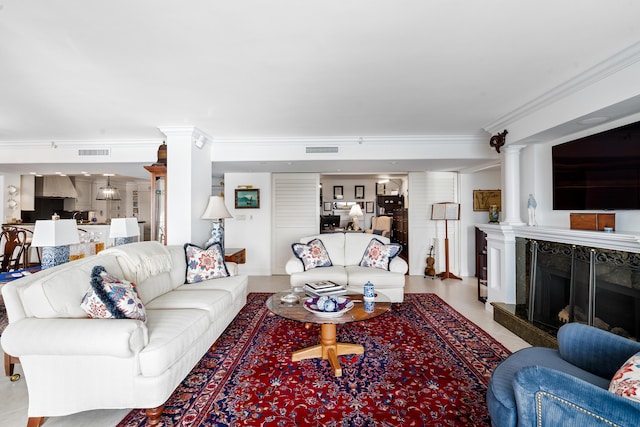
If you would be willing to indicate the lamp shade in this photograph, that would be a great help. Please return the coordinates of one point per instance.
(355, 210)
(124, 227)
(216, 209)
(55, 233)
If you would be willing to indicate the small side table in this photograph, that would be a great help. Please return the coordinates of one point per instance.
(237, 255)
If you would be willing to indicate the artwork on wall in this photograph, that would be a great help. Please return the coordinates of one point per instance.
(381, 188)
(483, 199)
(326, 206)
(369, 207)
(359, 192)
(247, 198)
(338, 192)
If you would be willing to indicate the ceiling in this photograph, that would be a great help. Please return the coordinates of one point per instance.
(92, 70)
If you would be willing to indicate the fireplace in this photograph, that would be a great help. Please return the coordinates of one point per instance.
(573, 283)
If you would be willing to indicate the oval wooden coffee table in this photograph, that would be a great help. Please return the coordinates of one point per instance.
(328, 349)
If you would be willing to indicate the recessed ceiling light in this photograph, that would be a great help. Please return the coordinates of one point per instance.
(593, 120)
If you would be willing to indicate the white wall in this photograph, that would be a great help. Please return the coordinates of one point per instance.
(250, 228)
(488, 179)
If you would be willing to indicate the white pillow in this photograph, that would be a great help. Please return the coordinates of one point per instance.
(626, 382)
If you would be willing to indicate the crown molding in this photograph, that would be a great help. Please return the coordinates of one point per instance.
(608, 67)
(48, 144)
(360, 140)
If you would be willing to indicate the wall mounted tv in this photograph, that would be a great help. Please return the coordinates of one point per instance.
(600, 171)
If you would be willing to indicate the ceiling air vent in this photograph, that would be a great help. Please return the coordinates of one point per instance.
(321, 150)
(94, 152)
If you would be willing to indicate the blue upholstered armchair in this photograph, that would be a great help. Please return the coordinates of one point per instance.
(540, 386)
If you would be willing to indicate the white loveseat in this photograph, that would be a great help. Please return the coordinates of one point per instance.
(346, 251)
(73, 363)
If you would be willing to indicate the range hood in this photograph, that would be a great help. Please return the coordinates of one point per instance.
(55, 186)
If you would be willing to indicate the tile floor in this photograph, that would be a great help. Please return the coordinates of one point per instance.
(461, 295)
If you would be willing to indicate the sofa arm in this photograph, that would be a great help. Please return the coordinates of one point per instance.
(232, 268)
(550, 398)
(398, 265)
(594, 350)
(293, 265)
(102, 337)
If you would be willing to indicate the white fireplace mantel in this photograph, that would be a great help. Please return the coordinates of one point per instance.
(627, 241)
(501, 253)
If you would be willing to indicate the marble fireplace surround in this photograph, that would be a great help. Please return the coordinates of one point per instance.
(501, 251)
(506, 258)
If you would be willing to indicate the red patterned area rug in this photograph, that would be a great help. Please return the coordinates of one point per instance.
(424, 365)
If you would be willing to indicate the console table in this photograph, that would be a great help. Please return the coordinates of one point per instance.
(237, 255)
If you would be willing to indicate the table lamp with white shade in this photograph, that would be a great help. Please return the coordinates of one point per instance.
(123, 230)
(54, 237)
(216, 211)
(355, 213)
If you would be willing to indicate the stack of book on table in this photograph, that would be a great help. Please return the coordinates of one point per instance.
(324, 288)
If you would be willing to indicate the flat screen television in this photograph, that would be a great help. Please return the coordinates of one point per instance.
(600, 171)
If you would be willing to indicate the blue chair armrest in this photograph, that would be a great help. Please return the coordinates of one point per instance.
(594, 350)
(547, 397)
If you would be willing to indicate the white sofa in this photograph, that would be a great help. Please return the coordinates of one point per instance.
(73, 363)
(346, 251)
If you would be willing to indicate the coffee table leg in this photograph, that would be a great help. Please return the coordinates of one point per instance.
(328, 349)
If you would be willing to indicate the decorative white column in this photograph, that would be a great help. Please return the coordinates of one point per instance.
(188, 184)
(511, 185)
(501, 263)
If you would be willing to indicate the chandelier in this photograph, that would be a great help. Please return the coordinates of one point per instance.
(108, 192)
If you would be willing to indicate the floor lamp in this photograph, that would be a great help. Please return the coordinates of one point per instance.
(447, 212)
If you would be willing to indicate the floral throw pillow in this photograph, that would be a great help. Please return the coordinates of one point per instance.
(626, 382)
(379, 255)
(313, 254)
(112, 298)
(205, 264)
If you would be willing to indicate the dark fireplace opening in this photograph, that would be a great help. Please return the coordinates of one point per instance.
(569, 283)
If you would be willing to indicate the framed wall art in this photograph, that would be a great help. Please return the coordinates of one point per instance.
(483, 199)
(369, 207)
(326, 206)
(247, 198)
(338, 192)
(359, 192)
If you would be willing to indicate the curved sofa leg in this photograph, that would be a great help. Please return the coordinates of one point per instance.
(35, 421)
(153, 414)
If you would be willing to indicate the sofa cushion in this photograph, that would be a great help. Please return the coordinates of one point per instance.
(626, 382)
(112, 298)
(379, 255)
(213, 301)
(381, 279)
(204, 264)
(312, 254)
(172, 333)
(235, 285)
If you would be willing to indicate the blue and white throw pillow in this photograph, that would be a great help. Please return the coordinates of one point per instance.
(313, 254)
(379, 255)
(626, 382)
(112, 298)
(204, 264)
